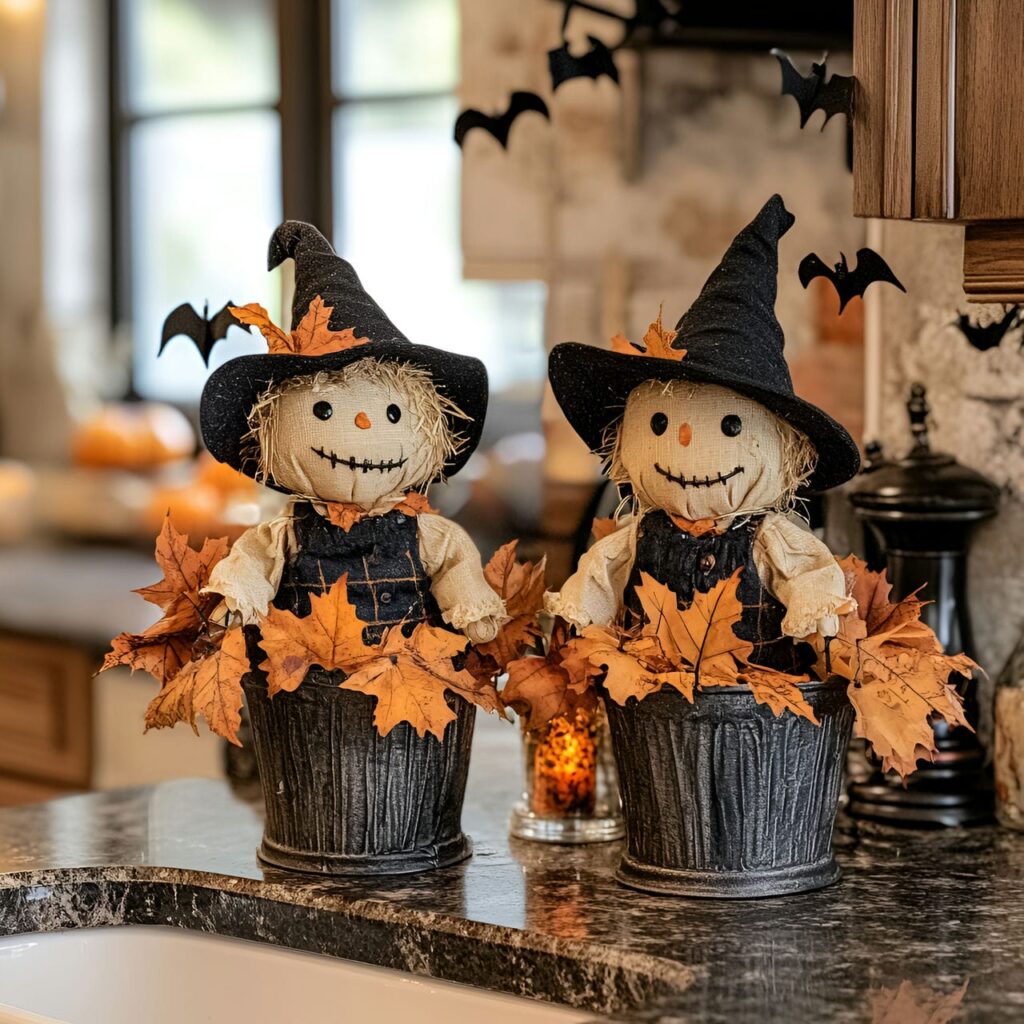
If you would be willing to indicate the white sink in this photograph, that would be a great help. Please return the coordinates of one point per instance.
(125, 975)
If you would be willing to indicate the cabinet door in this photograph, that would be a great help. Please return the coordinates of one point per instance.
(939, 109)
(989, 115)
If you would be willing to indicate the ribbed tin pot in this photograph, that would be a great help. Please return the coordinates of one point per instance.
(722, 798)
(343, 800)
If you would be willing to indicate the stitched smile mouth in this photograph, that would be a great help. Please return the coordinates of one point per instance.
(353, 463)
(697, 481)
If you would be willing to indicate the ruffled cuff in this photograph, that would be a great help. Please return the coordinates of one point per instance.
(480, 621)
(556, 605)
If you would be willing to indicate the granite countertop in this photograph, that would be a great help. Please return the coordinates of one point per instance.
(932, 909)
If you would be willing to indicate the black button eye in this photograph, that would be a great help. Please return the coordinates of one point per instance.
(659, 423)
(394, 413)
(731, 425)
(323, 410)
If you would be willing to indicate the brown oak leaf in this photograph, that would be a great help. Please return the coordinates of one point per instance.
(521, 586)
(330, 636)
(209, 686)
(409, 677)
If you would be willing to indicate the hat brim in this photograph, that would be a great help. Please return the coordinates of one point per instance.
(234, 388)
(592, 385)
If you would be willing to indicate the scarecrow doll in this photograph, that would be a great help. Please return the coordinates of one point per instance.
(703, 431)
(353, 421)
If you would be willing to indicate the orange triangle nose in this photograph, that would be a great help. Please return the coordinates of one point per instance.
(685, 435)
(363, 421)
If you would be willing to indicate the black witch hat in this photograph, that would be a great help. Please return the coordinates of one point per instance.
(234, 388)
(731, 338)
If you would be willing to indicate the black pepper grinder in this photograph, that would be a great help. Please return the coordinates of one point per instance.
(920, 511)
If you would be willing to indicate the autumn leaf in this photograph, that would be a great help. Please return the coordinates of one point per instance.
(313, 336)
(186, 572)
(898, 673)
(605, 527)
(409, 677)
(778, 690)
(164, 648)
(521, 586)
(256, 316)
(624, 664)
(210, 686)
(160, 654)
(701, 637)
(330, 636)
(657, 343)
(915, 1004)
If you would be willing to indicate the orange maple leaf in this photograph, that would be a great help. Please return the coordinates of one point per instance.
(164, 648)
(521, 586)
(210, 686)
(603, 527)
(897, 671)
(330, 636)
(685, 649)
(311, 337)
(410, 676)
(346, 515)
(256, 316)
(657, 343)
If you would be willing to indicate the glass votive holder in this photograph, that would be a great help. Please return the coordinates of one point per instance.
(571, 791)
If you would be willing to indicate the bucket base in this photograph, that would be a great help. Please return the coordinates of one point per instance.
(407, 862)
(728, 885)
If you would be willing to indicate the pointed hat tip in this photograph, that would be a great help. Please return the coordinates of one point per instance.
(775, 208)
(292, 238)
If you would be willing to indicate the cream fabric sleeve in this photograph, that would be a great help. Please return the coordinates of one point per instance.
(803, 574)
(452, 561)
(249, 576)
(593, 593)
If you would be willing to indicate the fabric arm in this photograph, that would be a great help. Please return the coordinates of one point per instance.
(464, 596)
(804, 575)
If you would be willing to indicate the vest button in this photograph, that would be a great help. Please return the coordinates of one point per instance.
(385, 598)
(707, 562)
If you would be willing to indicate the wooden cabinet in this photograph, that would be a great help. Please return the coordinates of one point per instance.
(45, 719)
(939, 126)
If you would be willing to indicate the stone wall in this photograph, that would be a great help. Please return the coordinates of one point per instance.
(630, 196)
(977, 401)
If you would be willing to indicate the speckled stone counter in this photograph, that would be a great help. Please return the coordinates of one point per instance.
(934, 909)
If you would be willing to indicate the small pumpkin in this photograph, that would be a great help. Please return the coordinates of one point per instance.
(133, 435)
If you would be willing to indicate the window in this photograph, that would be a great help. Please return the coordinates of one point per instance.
(199, 178)
(197, 172)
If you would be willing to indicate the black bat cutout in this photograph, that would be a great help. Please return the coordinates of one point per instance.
(204, 330)
(595, 62)
(849, 283)
(499, 126)
(987, 336)
(812, 92)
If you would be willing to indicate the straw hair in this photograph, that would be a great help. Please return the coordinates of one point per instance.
(434, 412)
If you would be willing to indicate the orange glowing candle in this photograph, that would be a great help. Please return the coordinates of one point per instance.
(565, 767)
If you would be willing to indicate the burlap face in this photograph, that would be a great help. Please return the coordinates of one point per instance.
(680, 448)
(368, 448)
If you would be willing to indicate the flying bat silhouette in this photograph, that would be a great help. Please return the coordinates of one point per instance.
(204, 330)
(595, 62)
(986, 336)
(812, 92)
(500, 125)
(849, 283)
